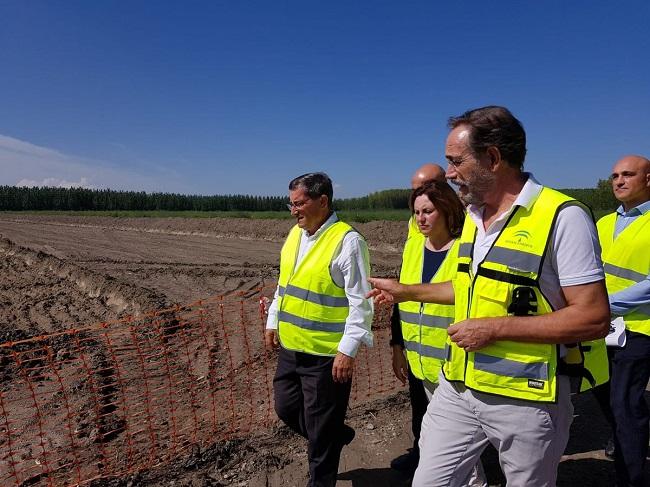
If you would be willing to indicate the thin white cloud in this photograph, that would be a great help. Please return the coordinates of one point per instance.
(22, 148)
(25, 164)
(56, 183)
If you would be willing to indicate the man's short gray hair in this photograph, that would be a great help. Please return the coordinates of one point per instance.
(315, 184)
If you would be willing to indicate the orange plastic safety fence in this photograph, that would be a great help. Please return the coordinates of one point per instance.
(114, 398)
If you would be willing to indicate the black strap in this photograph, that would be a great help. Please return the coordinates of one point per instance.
(576, 370)
(505, 277)
(463, 268)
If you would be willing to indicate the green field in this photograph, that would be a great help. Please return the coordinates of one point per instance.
(359, 216)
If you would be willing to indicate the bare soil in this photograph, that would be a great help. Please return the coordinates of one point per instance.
(59, 271)
(180, 259)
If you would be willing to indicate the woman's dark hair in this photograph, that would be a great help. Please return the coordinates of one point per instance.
(316, 184)
(446, 201)
(494, 126)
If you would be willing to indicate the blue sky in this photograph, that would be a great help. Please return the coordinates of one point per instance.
(215, 97)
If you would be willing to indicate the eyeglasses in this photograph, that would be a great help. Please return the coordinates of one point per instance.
(456, 162)
(296, 204)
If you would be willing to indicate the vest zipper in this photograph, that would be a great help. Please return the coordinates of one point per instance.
(473, 275)
(421, 312)
(470, 293)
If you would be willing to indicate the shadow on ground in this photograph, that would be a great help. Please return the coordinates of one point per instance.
(375, 477)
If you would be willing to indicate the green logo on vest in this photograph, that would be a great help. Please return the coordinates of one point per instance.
(522, 235)
(521, 239)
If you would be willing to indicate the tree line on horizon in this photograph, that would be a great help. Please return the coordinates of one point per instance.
(15, 198)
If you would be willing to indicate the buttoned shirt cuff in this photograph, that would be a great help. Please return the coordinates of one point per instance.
(349, 346)
(272, 320)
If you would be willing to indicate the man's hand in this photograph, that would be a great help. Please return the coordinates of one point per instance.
(400, 365)
(384, 291)
(343, 368)
(472, 334)
(271, 339)
(390, 291)
(381, 297)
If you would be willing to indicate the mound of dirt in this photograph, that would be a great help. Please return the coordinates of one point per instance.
(386, 235)
(181, 259)
(42, 294)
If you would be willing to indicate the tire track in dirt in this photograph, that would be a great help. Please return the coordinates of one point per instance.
(183, 259)
(41, 293)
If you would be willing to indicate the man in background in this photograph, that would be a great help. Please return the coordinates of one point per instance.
(425, 173)
(625, 241)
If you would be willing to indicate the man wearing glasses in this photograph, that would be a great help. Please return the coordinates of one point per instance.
(319, 317)
(530, 313)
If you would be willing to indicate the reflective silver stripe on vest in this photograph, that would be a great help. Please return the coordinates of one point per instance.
(515, 259)
(510, 368)
(426, 350)
(465, 250)
(624, 273)
(427, 320)
(311, 324)
(312, 297)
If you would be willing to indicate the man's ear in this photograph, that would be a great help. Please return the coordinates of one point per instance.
(494, 154)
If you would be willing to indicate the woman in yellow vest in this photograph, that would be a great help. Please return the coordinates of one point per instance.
(419, 331)
(429, 256)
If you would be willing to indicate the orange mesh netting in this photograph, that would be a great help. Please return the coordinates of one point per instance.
(115, 398)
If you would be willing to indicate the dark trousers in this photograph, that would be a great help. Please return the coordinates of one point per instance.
(419, 403)
(602, 393)
(630, 372)
(309, 401)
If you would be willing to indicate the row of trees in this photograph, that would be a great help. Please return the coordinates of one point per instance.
(78, 199)
(14, 198)
(599, 198)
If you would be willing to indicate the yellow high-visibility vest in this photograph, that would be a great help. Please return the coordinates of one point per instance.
(312, 308)
(509, 275)
(626, 260)
(424, 325)
(413, 228)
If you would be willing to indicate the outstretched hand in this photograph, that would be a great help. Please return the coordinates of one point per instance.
(384, 291)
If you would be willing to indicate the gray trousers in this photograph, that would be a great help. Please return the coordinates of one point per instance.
(477, 476)
(530, 437)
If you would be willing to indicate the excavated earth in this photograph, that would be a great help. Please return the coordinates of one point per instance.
(58, 272)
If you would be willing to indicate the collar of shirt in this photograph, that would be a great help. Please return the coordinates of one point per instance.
(639, 210)
(332, 219)
(525, 198)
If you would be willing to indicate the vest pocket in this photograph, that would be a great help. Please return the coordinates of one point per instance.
(491, 298)
(499, 366)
